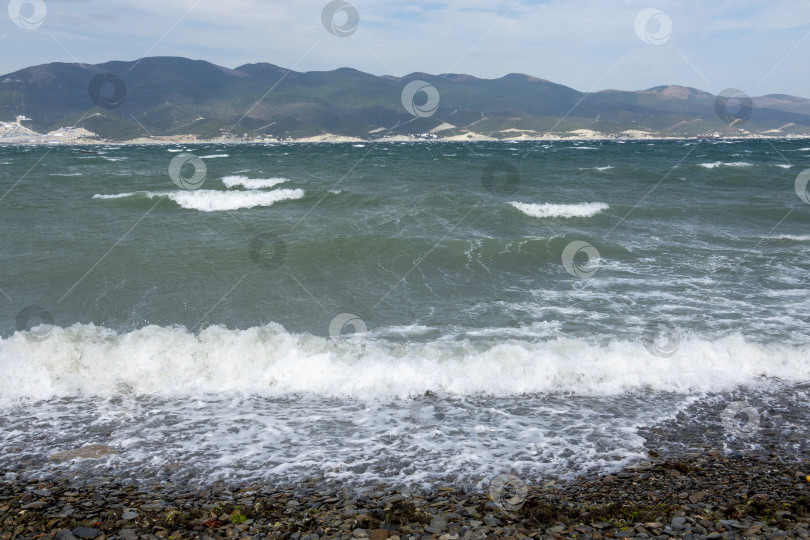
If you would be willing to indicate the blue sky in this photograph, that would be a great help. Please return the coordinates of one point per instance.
(759, 47)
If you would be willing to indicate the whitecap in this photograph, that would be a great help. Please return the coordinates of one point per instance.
(549, 210)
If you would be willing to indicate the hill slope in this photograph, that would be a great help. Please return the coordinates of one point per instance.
(177, 96)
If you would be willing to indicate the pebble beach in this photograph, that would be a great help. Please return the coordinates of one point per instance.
(719, 491)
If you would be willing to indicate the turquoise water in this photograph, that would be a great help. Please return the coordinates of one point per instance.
(329, 287)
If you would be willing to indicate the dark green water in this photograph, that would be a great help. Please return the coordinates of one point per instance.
(665, 270)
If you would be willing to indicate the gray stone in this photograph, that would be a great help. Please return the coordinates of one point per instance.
(86, 532)
(360, 533)
(678, 522)
(128, 534)
(42, 493)
(439, 523)
(65, 535)
(67, 511)
(129, 516)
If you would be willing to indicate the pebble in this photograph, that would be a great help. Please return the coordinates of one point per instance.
(678, 522)
(86, 533)
(731, 496)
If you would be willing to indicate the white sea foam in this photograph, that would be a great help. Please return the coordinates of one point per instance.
(269, 361)
(783, 165)
(206, 200)
(716, 164)
(548, 210)
(251, 183)
(794, 237)
(215, 156)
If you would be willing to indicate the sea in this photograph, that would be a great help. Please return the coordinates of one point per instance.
(401, 314)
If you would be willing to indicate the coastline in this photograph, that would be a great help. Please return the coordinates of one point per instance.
(695, 483)
(705, 496)
(90, 139)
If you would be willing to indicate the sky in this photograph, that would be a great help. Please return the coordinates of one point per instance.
(758, 47)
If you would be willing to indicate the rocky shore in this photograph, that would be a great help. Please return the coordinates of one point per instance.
(710, 495)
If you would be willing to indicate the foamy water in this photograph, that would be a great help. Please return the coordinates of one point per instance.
(716, 164)
(549, 210)
(206, 200)
(252, 183)
(85, 360)
(268, 405)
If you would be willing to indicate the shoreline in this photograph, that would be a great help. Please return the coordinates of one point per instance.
(696, 481)
(330, 139)
(710, 495)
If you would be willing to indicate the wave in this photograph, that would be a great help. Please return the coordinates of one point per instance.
(794, 237)
(207, 200)
(251, 183)
(723, 164)
(214, 156)
(87, 360)
(783, 165)
(548, 210)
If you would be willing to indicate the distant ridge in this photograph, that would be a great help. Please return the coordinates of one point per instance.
(168, 96)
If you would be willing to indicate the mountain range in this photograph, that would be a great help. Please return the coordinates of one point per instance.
(169, 96)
